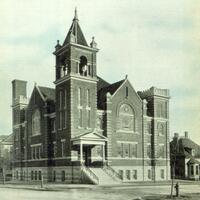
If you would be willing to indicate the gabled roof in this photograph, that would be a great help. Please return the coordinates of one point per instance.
(47, 93)
(75, 33)
(101, 83)
(111, 88)
(8, 139)
(185, 145)
(193, 161)
(90, 135)
(3, 137)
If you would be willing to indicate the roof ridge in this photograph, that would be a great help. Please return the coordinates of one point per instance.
(46, 87)
(111, 84)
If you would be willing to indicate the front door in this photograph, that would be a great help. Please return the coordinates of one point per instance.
(87, 155)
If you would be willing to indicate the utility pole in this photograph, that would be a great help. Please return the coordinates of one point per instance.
(173, 164)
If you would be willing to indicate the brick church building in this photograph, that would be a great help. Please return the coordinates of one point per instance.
(87, 130)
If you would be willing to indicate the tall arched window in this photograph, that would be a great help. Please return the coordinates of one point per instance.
(36, 121)
(161, 129)
(126, 118)
(83, 68)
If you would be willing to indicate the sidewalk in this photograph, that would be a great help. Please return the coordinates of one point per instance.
(61, 187)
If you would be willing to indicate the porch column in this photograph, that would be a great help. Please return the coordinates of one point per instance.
(103, 153)
(81, 152)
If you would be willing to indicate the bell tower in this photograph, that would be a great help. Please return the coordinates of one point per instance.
(76, 83)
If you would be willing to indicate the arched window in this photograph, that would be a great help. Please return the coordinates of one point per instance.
(83, 68)
(161, 129)
(36, 119)
(63, 68)
(126, 118)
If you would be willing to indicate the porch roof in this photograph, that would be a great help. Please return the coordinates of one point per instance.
(92, 138)
(193, 161)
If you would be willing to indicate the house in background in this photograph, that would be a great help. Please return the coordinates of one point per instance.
(186, 155)
(6, 154)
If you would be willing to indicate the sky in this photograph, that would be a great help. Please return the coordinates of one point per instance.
(157, 43)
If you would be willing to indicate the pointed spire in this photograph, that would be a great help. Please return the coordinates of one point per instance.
(75, 14)
(75, 34)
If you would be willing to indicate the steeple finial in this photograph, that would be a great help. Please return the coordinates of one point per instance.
(93, 44)
(75, 14)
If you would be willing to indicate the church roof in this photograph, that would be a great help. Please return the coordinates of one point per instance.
(103, 87)
(48, 93)
(75, 33)
(111, 88)
(101, 83)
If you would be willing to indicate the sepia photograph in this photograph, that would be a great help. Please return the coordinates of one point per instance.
(99, 100)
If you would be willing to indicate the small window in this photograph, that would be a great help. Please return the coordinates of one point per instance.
(53, 124)
(149, 150)
(88, 97)
(134, 150)
(54, 176)
(197, 170)
(79, 96)
(193, 152)
(40, 175)
(120, 149)
(161, 128)
(126, 92)
(149, 174)
(121, 173)
(99, 151)
(31, 175)
(149, 128)
(162, 175)
(128, 174)
(126, 150)
(54, 149)
(83, 68)
(63, 176)
(192, 170)
(88, 118)
(135, 174)
(61, 102)
(35, 175)
(80, 118)
(161, 151)
(17, 175)
(63, 147)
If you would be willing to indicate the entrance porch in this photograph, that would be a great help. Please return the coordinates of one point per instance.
(90, 148)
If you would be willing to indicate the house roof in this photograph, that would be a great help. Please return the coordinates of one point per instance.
(111, 88)
(8, 139)
(101, 83)
(185, 145)
(3, 137)
(48, 93)
(75, 33)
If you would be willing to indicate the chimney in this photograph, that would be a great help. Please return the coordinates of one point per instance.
(18, 89)
(186, 134)
(176, 135)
